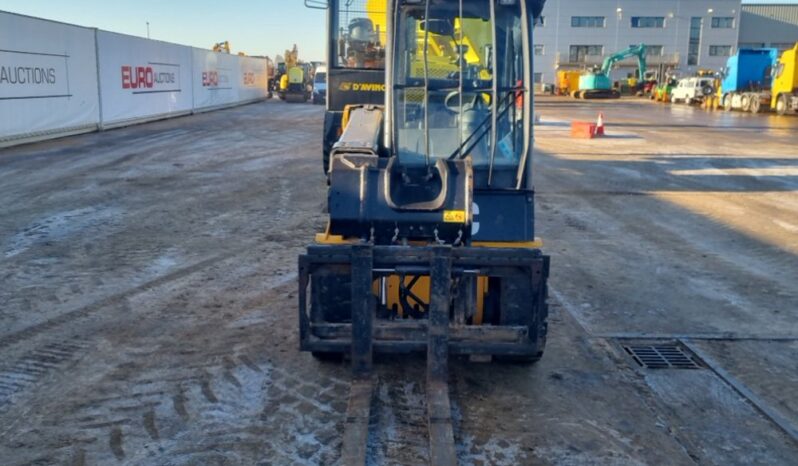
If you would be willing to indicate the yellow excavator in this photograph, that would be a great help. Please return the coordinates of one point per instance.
(431, 242)
(222, 47)
(295, 84)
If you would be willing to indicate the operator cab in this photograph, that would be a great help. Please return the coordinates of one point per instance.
(447, 157)
(449, 98)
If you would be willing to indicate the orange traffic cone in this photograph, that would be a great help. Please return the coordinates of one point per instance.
(600, 124)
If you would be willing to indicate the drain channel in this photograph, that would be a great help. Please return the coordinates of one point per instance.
(661, 356)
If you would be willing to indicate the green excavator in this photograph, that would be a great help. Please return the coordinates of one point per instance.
(596, 83)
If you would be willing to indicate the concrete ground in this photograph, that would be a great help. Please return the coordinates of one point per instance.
(147, 276)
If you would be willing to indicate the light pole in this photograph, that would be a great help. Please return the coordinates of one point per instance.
(619, 16)
(148, 29)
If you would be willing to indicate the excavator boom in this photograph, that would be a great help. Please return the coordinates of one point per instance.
(638, 51)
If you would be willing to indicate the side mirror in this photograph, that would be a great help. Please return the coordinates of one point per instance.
(487, 57)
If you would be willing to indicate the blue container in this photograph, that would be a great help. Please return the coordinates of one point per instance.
(749, 70)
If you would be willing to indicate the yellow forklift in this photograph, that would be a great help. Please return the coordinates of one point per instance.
(296, 83)
(430, 245)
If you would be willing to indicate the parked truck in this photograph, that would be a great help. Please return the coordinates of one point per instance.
(757, 80)
(784, 95)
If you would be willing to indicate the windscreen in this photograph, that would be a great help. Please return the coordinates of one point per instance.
(358, 31)
(446, 60)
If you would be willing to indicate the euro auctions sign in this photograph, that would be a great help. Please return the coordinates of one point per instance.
(33, 75)
(151, 78)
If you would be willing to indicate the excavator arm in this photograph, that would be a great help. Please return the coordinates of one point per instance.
(638, 51)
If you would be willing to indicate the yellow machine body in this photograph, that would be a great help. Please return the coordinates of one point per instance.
(296, 75)
(786, 77)
(568, 81)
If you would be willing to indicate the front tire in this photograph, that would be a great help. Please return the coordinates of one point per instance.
(781, 105)
(538, 328)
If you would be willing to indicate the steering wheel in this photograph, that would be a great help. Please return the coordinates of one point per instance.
(470, 100)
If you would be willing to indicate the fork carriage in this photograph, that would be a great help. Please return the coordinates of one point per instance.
(489, 301)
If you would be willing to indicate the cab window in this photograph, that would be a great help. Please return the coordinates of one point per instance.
(359, 34)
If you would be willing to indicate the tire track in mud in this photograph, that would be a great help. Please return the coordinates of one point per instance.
(281, 212)
(398, 427)
(210, 399)
(217, 391)
(398, 432)
(232, 411)
(85, 311)
(34, 366)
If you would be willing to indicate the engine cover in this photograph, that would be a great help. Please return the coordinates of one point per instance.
(375, 198)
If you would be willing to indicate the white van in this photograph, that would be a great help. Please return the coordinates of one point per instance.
(692, 90)
(320, 85)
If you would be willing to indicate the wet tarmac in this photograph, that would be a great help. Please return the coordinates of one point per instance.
(149, 308)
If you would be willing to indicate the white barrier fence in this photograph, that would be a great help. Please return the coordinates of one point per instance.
(58, 79)
(48, 78)
(142, 79)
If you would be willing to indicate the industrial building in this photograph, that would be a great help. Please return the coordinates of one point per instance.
(769, 25)
(687, 35)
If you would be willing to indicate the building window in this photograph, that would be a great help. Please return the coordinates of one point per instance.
(539, 49)
(720, 50)
(652, 50)
(580, 52)
(538, 78)
(752, 45)
(648, 22)
(694, 47)
(722, 22)
(587, 21)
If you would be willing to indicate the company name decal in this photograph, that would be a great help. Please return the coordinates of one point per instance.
(28, 75)
(249, 78)
(253, 78)
(151, 78)
(215, 80)
(361, 87)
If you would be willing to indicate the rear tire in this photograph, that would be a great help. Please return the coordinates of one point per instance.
(727, 103)
(755, 105)
(745, 102)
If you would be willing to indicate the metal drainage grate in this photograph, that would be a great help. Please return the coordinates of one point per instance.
(661, 357)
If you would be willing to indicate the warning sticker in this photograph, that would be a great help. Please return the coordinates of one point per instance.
(454, 216)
